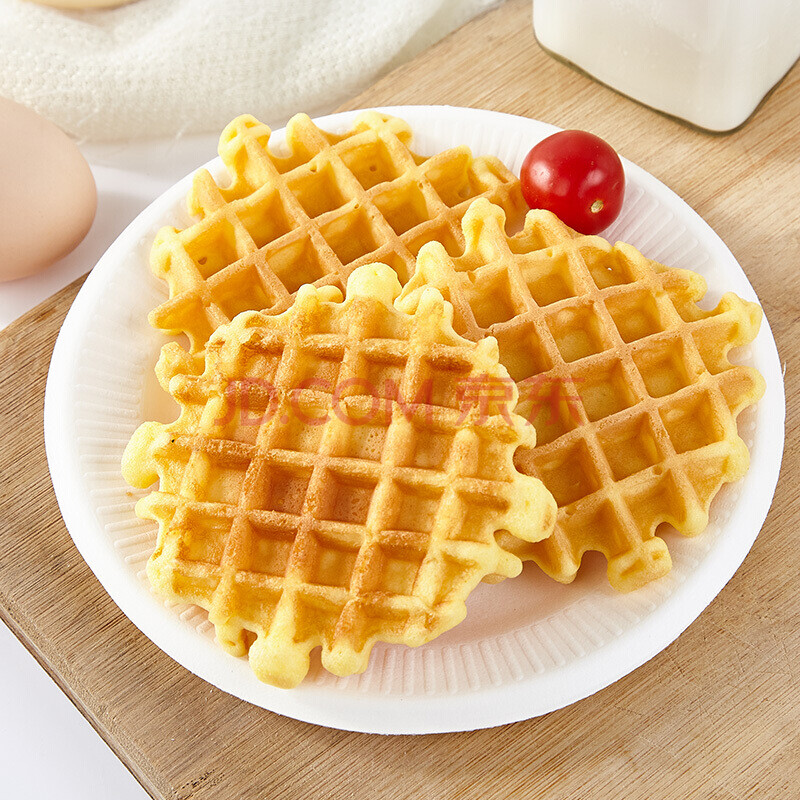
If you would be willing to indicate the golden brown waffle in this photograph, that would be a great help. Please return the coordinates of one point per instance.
(333, 203)
(626, 380)
(326, 485)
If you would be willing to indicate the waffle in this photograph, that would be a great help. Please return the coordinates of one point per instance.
(334, 203)
(626, 380)
(326, 484)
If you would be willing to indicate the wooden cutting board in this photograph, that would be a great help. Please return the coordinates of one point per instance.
(716, 715)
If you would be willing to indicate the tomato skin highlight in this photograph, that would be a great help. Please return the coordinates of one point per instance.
(576, 175)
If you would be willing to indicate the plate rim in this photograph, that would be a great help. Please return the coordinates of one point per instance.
(418, 714)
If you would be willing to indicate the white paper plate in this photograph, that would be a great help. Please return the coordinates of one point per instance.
(529, 645)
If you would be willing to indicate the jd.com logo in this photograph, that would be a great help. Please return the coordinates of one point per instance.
(313, 401)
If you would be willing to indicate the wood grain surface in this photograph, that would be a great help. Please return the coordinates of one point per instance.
(716, 715)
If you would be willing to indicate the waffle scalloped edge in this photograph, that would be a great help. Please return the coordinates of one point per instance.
(331, 203)
(294, 538)
(625, 377)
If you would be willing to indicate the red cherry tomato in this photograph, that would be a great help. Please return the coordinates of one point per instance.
(578, 177)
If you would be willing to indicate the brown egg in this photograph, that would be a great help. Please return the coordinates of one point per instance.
(47, 192)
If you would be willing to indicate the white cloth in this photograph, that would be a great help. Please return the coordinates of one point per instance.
(169, 67)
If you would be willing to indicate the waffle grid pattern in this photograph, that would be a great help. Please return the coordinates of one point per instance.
(624, 377)
(295, 532)
(335, 202)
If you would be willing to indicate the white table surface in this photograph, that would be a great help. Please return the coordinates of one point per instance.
(47, 748)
